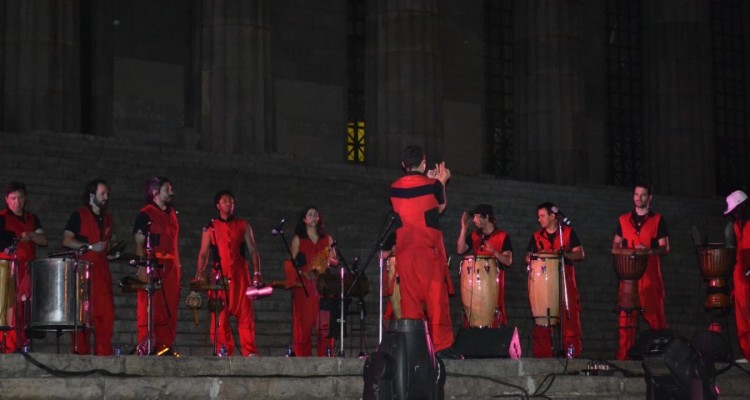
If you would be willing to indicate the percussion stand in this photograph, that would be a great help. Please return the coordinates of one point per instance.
(343, 294)
(380, 243)
(279, 232)
(151, 264)
(563, 291)
(219, 304)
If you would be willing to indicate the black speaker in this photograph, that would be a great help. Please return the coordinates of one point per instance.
(649, 342)
(488, 343)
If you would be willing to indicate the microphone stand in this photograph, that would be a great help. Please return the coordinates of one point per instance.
(563, 286)
(378, 245)
(279, 232)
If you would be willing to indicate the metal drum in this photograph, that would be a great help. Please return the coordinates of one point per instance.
(630, 265)
(479, 290)
(716, 262)
(60, 293)
(544, 289)
(7, 295)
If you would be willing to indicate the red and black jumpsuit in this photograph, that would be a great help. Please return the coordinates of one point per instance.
(306, 312)
(544, 242)
(500, 241)
(164, 232)
(91, 228)
(644, 231)
(420, 256)
(228, 237)
(742, 286)
(14, 226)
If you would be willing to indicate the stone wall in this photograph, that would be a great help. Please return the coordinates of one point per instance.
(354, 202)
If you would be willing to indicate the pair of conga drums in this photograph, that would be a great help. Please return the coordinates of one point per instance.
(716, 262)
(544, 288)
(630, 265)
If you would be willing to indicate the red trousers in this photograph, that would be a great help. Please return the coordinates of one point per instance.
(424, 291)
(571, 327)
(651, 294)
(164, 305)
(102, 308)
(306, 315)
(742, 309)
(242, 309)
(13, 339)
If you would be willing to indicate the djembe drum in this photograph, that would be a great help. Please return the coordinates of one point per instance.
(630, 265)
(716, 262)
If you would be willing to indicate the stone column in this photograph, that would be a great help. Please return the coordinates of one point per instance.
(233, 59)
(549, 91)
(101, 68)
(678, 102)
(404, 73)
(40, 75)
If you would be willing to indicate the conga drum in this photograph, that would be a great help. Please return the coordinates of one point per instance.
(7, 295)
(544, 288)
(716, 262)
(391, 287)
(630, 265)
(479, 290)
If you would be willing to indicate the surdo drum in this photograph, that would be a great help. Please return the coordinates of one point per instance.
(60, 289)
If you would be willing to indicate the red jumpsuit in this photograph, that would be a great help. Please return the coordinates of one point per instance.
(420, 258)
(102, 306)
(306, 312)
(164, 234)
(571, 327)
(229, 238)
(742, 286)
(500, 241)
(645, 231)
(25, 253)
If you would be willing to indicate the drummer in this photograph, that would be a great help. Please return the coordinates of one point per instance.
(547, 241)
(738, 208)
(487, 240)
(20, 233)
(231, 242)
(311, 251)
(156, 225)
(643, 229)
(90, 226)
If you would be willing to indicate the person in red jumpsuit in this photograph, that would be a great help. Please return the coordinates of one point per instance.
(231, 242)
(547, 240)
(642, 229)
(418, 200)
(20, 233)
(156, 232)
(312, 255)
(739, 210)
(489, 241)
(90, 226)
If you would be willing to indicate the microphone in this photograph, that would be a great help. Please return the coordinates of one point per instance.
(142, 263)
(560, 216)
(277, 230)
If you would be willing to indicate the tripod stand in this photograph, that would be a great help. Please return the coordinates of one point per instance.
(279, 232)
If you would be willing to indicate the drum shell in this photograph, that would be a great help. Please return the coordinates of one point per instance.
(715, 260)
(7, 294)
(480, 290)
(630, 265)
(544, 290)
(60, 293)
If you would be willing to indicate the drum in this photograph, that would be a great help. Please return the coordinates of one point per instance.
(329, 285)
(629, 268)
(60, 289)
(544, 289)
(479, 290)
(392, 287)
(716, 262)
(7, 295)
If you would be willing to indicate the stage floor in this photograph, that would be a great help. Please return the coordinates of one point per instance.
(50, 376)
